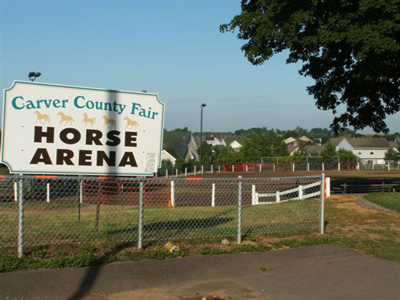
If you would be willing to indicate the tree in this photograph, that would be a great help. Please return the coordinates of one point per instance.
(301, 151)
(392, 154)
(206, 152)
(350, 48)
(328, 151)
(348, 157)
(262, 144)
(229, 155)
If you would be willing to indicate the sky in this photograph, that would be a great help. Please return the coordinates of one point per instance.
(172, 48)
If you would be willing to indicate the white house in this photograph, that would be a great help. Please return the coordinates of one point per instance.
(214, 141)
(369, 150)
(235, 145)
(165, 155)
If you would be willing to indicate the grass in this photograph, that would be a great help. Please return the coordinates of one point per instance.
(45, 225)
(388, 200)
(196, 230)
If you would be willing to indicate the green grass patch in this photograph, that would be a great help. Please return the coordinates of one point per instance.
(57, 238)
(388, 200)
(63, 223)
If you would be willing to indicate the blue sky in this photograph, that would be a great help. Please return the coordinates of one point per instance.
(173, 48)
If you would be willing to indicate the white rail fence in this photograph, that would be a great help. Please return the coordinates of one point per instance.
(302, 192)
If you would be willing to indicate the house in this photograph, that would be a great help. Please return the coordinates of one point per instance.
(291, 148)
(235, 145)
(317, 141)
(165, 155)
(335, 142)
(180, 144)
(369, 150)
(305, 139)
(292, 144)
(296, 141)
(214, 141)
(315, 149)
(394, 145)
(290, 140)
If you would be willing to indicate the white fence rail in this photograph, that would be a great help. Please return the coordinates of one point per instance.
(301, 192)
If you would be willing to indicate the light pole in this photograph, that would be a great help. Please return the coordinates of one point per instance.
(33, 75)
(201, 130)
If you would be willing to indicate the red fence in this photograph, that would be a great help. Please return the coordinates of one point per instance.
(247, 167)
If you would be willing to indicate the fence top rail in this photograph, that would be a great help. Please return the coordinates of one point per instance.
(139, 179)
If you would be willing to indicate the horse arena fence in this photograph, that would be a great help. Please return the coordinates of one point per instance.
(60, 210)
(278, 164)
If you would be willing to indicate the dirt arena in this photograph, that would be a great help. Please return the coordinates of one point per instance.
(331, 174)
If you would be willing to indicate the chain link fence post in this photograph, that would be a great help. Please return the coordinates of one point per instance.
(21, 218)
(322, 212)
(239, 216)
(140, 225)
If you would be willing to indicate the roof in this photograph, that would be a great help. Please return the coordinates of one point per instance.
(175, 142)
(173, 153)
(235, 144)
(315, 148)
(393, 144)
(305, 139)
(336, 141)
(368, 143)
(290, 140)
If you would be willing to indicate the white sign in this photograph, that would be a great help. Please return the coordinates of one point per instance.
(55, 129)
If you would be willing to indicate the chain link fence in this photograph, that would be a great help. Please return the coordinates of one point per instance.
(50, 210)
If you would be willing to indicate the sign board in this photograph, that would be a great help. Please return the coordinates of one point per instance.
(56, 129)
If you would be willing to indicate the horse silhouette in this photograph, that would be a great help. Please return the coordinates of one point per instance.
(130, 123)
(42, 117)
(109, 122)
(87, 120)
(65, 119)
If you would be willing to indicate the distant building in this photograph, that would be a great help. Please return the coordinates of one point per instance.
(214, 141)
(315, 149)
(180, 144)
(369, 150)
(235, 145)
(292, 144)
(335, 141)
(165, 155)
(290, 140)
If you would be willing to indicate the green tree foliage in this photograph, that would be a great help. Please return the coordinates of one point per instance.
(328, 151)
(350, 48)
(392, 154)
(262, 144)
(210, 153)
(302, 151)
(346, 156)
(166, 164)
(229, 155)
(182, 164)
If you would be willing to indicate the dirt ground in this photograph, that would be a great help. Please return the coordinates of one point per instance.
(331, 174)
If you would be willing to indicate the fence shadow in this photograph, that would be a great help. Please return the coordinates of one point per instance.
(178, 224)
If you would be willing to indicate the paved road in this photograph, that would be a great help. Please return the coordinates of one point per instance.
(318, 272)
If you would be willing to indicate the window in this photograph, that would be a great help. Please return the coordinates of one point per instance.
(359, 153)
(372, 153)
